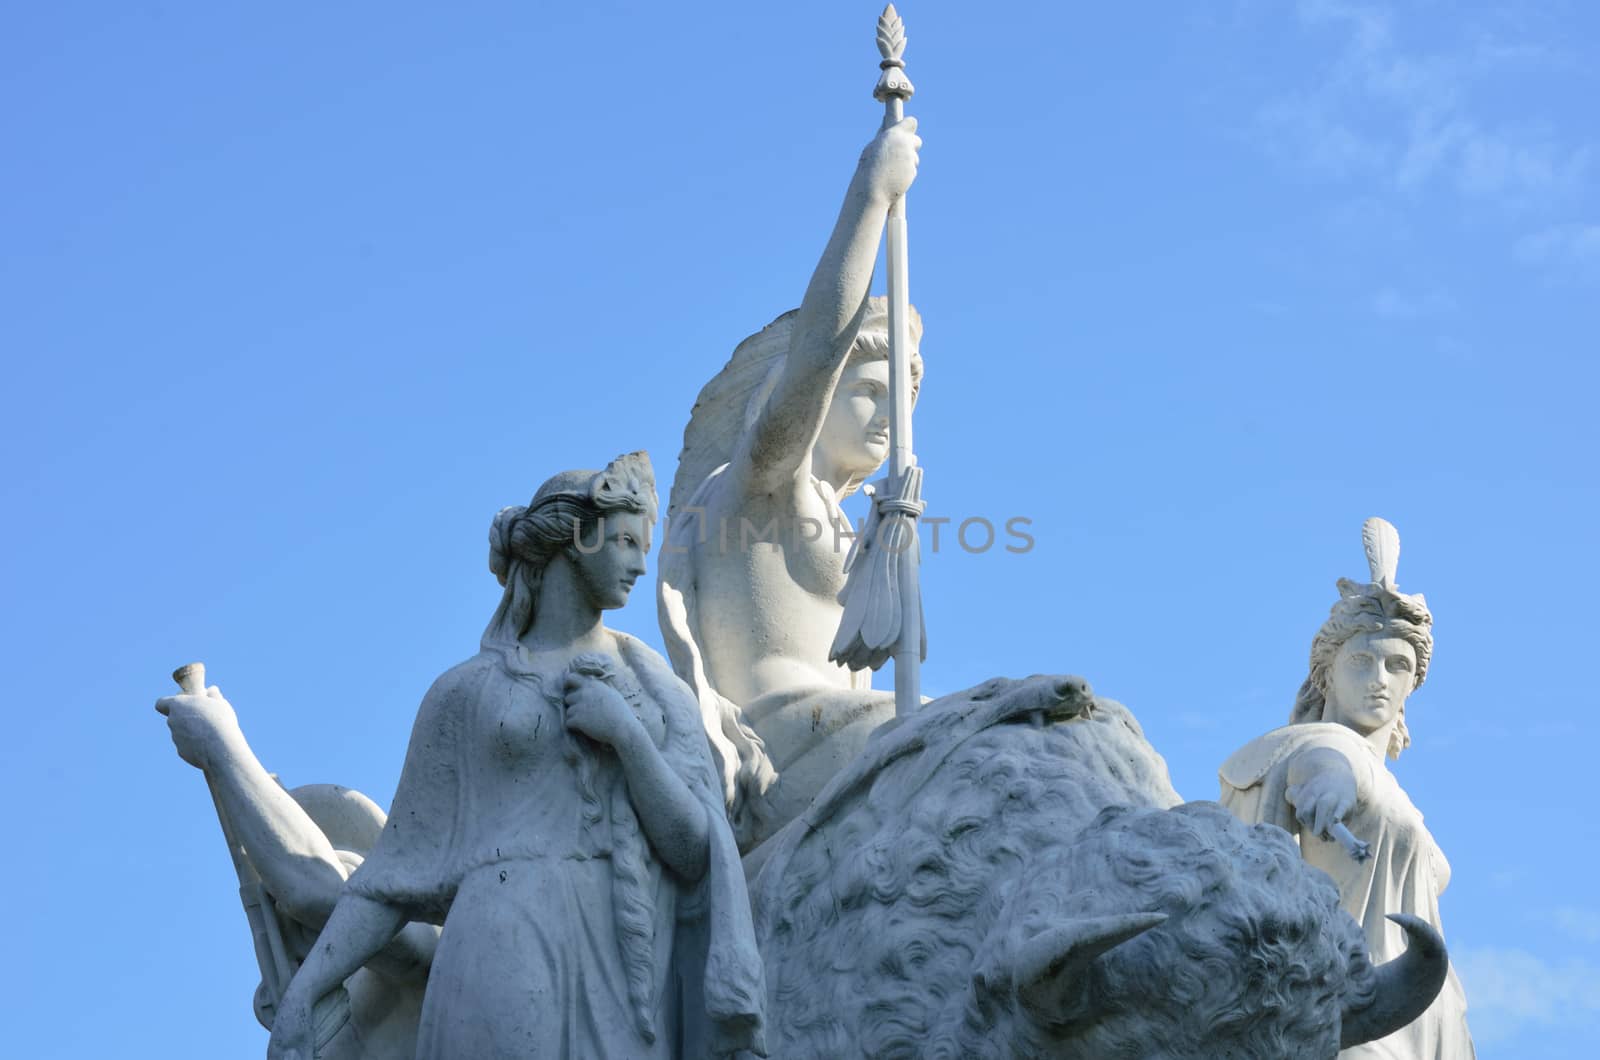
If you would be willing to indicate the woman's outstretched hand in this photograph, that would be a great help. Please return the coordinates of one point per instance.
(1322, 790)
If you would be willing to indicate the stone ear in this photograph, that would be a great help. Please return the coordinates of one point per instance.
(1051, 970)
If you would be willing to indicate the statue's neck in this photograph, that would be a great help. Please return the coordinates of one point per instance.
(564, 616)
(830, 478)
(1377, 739)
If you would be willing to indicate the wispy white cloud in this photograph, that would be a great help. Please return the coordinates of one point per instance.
(1580, 923)
(1509, 990)
(1405, 118)
(1571, 248)
(1535, 165)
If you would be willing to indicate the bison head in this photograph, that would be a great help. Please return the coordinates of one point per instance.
(1183, 933)
(1008, 873)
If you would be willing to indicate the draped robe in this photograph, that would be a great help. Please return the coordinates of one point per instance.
(563, 934)
(1405, 874)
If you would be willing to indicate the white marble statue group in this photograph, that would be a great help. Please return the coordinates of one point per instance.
(744, 850)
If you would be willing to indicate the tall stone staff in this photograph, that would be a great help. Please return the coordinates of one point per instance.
(882, 596)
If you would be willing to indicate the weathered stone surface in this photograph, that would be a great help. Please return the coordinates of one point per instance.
(1008, 872)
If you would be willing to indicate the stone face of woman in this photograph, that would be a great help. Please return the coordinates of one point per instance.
(855, 431)
(608, 568)
(1371, 676)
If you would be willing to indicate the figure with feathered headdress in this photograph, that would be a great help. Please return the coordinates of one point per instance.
(754, 559)
(1323, 778)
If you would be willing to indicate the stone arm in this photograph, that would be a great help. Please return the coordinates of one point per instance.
(779, 445)
(299, 867)
(1323, 787)
(673, 821)
(1326, 785)
(357, 930)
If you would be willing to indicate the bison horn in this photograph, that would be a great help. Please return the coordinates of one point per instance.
(1406, 985)
(1050, 970)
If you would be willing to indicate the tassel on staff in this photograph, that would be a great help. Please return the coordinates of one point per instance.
(882, 595)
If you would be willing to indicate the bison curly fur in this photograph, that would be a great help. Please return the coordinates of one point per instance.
(887, 928)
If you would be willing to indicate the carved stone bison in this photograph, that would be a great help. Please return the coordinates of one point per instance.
(1009, 873)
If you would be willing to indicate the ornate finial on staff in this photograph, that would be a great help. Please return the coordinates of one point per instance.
(893, 84)
(882, 595)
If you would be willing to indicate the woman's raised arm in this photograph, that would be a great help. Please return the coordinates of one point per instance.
(295, 860)
(824, 328)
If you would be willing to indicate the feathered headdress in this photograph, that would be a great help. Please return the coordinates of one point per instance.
(720, 410)
(1382, 597)
(1370, 607)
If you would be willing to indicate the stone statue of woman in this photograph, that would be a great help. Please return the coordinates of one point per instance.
(559, 814)
(754, 562)
(1326, 769)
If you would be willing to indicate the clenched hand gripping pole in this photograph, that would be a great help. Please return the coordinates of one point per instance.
(882, 595)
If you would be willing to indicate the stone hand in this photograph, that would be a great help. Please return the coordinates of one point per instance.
(293, 1036)
(889, 163)
(1323, 799)
(598, 711)
(200, 724)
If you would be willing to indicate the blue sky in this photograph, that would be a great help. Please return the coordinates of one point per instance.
(292, 299)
